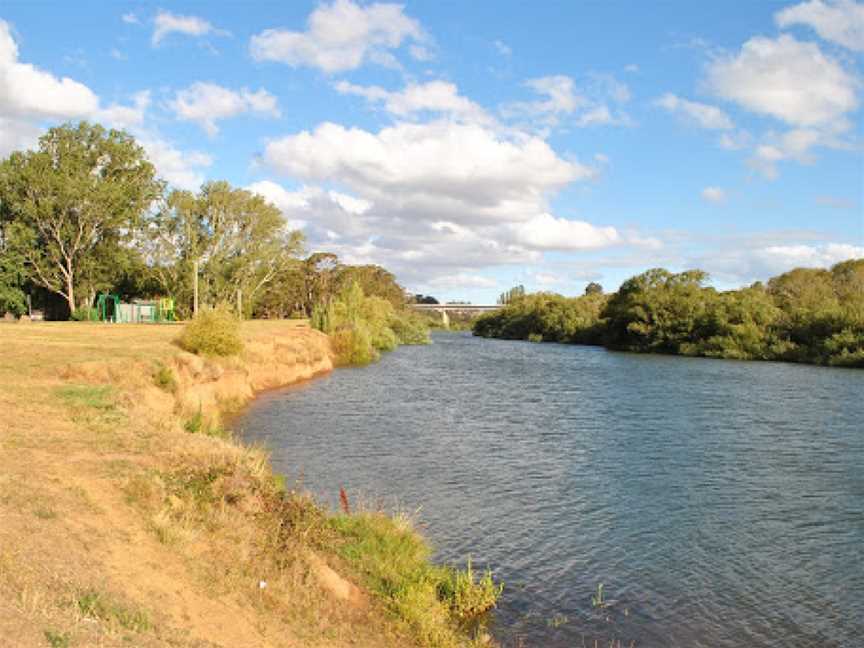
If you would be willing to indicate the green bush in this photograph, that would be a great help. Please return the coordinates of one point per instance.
(84, 315)
(410, 328)
(214, 332)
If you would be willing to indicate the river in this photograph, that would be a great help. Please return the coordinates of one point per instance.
(720, 503)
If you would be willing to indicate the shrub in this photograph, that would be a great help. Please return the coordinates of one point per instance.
(84, 315)
(164, 379)
(410, 328)
(213, 332)
(353, 346)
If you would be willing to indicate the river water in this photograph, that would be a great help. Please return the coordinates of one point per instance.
(720, 503)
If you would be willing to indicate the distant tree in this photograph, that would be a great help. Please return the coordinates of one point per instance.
(593, 288)
(373, 280)
(425, 299)
(70, 207)
(511, 295)
(12, 297)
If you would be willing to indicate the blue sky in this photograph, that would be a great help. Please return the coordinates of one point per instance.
(469, 147)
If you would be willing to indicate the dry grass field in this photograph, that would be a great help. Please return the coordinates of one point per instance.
(128, 519)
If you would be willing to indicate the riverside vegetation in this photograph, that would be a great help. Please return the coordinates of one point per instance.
(804, 315)
(133, 517)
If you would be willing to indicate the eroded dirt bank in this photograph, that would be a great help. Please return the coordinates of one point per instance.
(125, 517)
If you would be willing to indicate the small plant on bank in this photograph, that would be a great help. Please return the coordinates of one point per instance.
(164, 379)
(469, 597)
(213, 332)
(57, 639)
(535, 337)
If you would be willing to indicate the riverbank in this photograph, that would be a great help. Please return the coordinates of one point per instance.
(128, 515)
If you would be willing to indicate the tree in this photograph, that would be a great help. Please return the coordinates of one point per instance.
(70, 207)
(593, 288)
(511, 295)
(239, 241)
(374, 281)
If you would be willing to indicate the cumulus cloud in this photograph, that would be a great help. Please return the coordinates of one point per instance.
(432, 201)
(130, 18)
(434, 96)
(207, 103)
(700, 114)
(545, 232)
(166, 23)
(343, 36)
(27, 91)
(787, 79)
(120, 116)
(841, 21)
(714, 195)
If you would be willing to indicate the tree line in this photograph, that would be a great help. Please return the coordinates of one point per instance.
(85, 213)
(804, 315)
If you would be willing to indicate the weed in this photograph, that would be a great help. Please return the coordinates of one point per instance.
(57, 639)
(597, 601)
(466, 596)
(535, 337)
(98, 606)
(195, 424)
(164, 379)
(199, 425)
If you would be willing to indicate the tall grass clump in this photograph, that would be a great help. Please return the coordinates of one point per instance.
(394, 562)
(213, 332)
(362, 326)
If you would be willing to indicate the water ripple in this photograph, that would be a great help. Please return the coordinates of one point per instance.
(721, 503)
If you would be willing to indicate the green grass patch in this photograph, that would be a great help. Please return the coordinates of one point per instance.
(437, 602)
(99, 397)
(98, 606)
(57, 639)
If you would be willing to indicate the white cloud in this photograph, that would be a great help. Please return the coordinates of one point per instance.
(787, 79)
(502, 48)
(434, 96)
(119, 116)
(546, 232)
(343, 36)
(183, 169)
(28, 92)
(714, 195)
(130, 18)
(440, 166)
(207, 103)
(780, 258)
(795, 144)
(841, 21)
(562, 104)
(166, 23)
(735, 141)
(432, 200)
(701, 114)
(463, 280)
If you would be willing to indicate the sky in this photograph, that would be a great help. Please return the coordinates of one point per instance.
(470, 147)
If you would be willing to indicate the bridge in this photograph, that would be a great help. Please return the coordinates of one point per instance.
(457, 309)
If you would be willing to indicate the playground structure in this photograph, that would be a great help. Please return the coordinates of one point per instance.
(109, 308)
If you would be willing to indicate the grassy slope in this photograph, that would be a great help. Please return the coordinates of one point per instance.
(117, 527)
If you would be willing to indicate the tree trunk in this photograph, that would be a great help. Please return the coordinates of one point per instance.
(70, 294)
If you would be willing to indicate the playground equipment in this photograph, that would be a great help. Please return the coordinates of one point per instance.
(109, 308)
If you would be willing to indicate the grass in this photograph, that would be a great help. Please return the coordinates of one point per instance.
(394, 561)
(99, 606)
(190, 520)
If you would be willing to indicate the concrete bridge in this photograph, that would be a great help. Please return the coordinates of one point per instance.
(445, 310)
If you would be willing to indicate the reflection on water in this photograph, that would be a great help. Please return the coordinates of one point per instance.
(720, 503)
